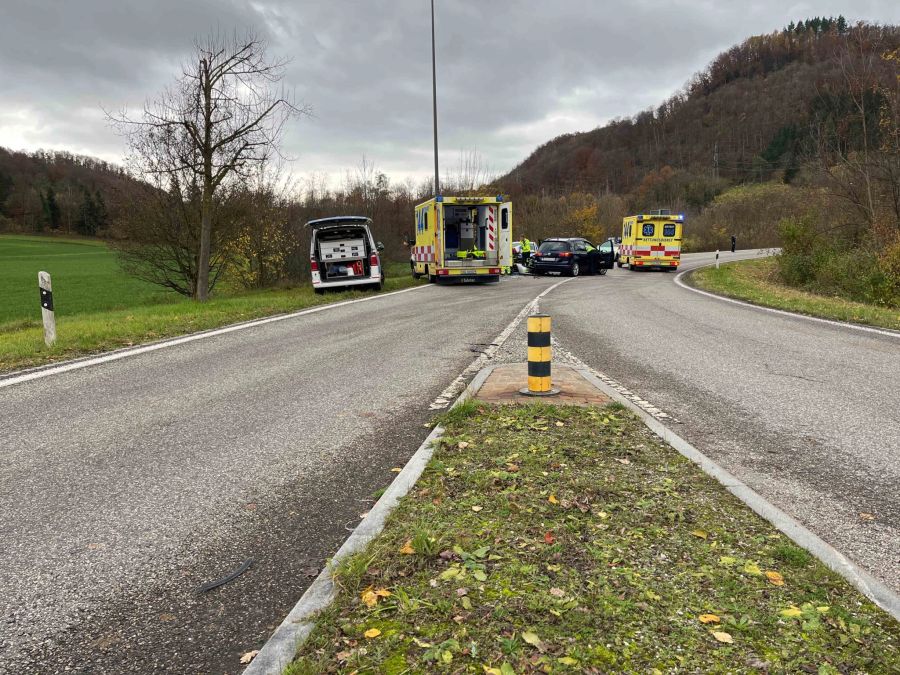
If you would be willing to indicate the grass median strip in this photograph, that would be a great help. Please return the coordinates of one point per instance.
(565, 539)
(756, 281)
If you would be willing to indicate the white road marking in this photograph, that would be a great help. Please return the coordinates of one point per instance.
(831, 322)
(454, 388)
(124, 353)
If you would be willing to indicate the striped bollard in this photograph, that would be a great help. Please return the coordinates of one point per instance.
(47, 308)
(539, 356)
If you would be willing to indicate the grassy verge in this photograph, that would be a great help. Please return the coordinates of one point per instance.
(545, 539)
(756, 281)
(22, 341)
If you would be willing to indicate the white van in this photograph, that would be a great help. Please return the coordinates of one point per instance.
(343, 253)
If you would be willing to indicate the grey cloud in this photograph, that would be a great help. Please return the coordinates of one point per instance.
(511, 73)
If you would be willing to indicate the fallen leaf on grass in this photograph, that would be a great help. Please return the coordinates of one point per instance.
(567, 661)
(249, 656)
(371, 596)
(752, 568)
(407, 548)
(476, 509)
(557, 592)
(549, 538)
(533, 640)
(552, 499)
(727, 560)
(560, 424)
(791, 612)
(623, 460)
(722, 636)
(774, 578)
(342, 656)
(372, 633)
(462, 445)
(822, 609)
(702, 534)
(709, 618)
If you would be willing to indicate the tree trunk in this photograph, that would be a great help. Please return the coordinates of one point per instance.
(202, 291)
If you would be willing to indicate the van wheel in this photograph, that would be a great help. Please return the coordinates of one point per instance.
(619, 262)
(575, 270)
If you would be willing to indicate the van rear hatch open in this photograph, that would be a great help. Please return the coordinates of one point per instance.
(342, 251)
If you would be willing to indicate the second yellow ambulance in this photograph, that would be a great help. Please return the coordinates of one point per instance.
(651, 241)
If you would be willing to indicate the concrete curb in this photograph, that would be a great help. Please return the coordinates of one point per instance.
(282, 646)
(794, 315)
(864, 582)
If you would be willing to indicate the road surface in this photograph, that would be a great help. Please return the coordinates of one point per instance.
(128, 484)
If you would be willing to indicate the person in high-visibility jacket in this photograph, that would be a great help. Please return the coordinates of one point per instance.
(526, 251)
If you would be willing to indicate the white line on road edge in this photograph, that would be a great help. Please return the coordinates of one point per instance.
(644, 405)
(481, 360)
(840, 324)
(134, 351)
(864, 582)
(282, 646)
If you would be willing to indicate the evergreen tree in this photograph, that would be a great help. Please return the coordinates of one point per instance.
(841, 24)
(101, 212)
(52, 214)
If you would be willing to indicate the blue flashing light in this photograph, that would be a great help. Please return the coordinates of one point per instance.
(499, 198)
(439, 198)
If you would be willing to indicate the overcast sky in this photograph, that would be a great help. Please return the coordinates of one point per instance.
(512, 74)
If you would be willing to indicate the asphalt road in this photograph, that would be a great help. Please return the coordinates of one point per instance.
(806, 413)
(126, 485)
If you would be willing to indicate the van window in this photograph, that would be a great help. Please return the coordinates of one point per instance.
(504, 219)
(669, 230)
(648, 229)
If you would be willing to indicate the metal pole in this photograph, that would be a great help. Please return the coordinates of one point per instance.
(47, 308)
(437, 185)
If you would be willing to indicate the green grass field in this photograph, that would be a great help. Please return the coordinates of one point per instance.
(86, 278)
(99, 307)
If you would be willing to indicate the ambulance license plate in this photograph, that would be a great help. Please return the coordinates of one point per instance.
(549, 259)
(468, 280)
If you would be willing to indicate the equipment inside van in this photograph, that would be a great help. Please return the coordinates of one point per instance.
(342, 252)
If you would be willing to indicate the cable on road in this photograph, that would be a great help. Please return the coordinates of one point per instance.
(209, 585)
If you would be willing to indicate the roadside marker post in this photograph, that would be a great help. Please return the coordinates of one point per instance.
(539, 356)
(717, 258)
(47, 308)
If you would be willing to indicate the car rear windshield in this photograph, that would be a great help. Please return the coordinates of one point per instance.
(554, 246)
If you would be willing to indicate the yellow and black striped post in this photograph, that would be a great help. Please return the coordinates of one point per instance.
(539, 355)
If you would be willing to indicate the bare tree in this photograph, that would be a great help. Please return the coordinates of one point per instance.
(224, 115)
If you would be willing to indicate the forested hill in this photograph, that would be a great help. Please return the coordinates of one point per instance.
(60, 191)
(758, 109)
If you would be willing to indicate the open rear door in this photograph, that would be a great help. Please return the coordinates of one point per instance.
(504, 241)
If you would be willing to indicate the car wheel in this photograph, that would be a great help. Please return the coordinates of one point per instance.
(575, 269)
(619, 263)
(602, 271)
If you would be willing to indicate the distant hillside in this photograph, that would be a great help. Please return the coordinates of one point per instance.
(59, 191)
(755, 113)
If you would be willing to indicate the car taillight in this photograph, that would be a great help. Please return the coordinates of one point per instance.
(537, 254)
(313, 265)
(443, 272)
(373, 260)
(565, 254)
(494, 270)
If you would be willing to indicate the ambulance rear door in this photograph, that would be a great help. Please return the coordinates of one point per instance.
(505, 238)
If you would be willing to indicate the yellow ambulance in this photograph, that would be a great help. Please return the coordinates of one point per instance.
(462, 239)
(651, 241)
